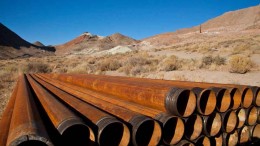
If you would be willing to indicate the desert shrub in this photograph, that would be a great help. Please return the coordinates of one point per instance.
(219, 60)
(108, 65)
(170, 63)
(207, 60)
(137, 60)
(239, 64)
(138, 70)
(37, 68)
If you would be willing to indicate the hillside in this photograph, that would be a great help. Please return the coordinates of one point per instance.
(13, 46)
(87, 41)
(232, 23)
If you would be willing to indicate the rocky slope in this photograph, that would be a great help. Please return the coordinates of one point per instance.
(231, 23)
(87, 41)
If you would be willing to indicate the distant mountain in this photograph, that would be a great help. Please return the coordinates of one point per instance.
(99, 43)
(13, 46)
(242, 20)
(37, 43)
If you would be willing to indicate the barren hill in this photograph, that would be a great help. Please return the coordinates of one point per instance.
(37, 43)
(231, 23)
(88, 41)
(13, 46)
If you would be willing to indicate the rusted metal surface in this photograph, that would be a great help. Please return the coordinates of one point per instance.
(212, 124)
(206, 100)
(202, 140)
(178, 101)
(230, 139)
(256, 94)
(104, 110)
(7, 116)
(26, 124)
(145, 130)
(252, 115)
(173, 126)
(242, 117)
(103, 120)
(229, 121)
(193, 127)
(61, 117)
(243, 135)
(255, 133)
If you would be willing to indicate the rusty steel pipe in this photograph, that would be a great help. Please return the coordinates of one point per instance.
(63, 119)
(252, 115)
(206, 100)
(230, 139)
(229, 121)
(202, 140)
(193, 127)
(241, 114)
(255, 133)
(211, 124)
(26, 125)
(256, 94)
(173, 127)
(106, 124)
(217, 140)
(243, 135)
(224, 96)
(145, 131)
(178, 101)
(7, 116)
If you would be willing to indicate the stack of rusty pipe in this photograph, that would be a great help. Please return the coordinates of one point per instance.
(83, 109)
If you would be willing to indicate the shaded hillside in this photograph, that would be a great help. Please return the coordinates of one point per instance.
(13, 46)
(89, 41)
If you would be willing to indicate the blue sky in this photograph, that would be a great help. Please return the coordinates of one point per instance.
(58, 21)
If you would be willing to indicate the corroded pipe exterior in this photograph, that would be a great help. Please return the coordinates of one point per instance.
(7, 116)
(159, 96)
(173, 126)
(26, 124)
(137, 120)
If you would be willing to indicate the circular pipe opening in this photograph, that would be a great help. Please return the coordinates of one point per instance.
(230, 121)
(77, 134)
(247, 97)
(236, 98)
(217, 140)
(148, 132)
(255, 135)
(252, 116)
(203, 140)
(207, 101)
(33, 143)
(223, 100)
(173, 130)
(232, 138)
(212, 124)
(186, 103)
(193, 127)
(111, 132)
(241, 114)
(257, 98)
(244, 135)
